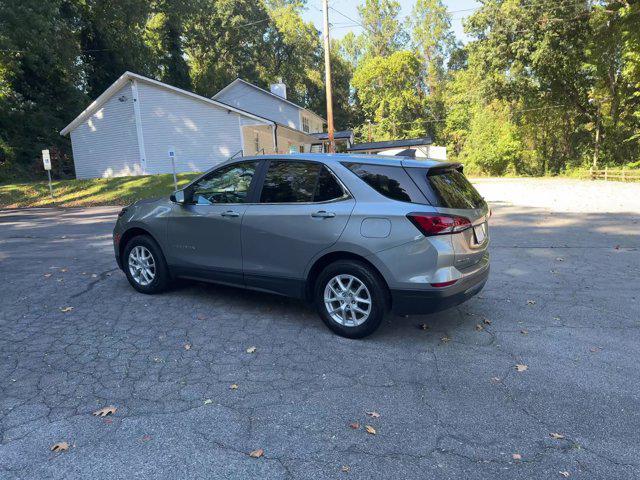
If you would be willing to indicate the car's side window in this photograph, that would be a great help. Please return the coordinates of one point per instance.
(290, 182)
(327, 188)
(227, 185)
(392, 182)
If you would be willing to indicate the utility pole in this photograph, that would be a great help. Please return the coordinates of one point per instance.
(596, 149)
(327, 75)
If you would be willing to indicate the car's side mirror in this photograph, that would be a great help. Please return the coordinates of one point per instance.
(178, 197)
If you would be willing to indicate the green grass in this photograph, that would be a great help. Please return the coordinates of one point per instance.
(94, 192)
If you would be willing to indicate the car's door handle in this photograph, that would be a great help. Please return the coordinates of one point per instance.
(230, 213)
(323, 214)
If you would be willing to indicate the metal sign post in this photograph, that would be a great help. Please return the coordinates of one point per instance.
(172, 156)
(46, 161)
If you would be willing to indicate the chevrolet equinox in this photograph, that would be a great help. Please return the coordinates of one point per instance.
(357, 235)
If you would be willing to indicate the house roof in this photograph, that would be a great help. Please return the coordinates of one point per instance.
(240, 80)
(128, 76)
(336, 135)
(408, 142)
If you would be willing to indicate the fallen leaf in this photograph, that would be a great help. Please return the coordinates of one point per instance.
(486, 321)
(251, 349)
(373, 414)
(556, 436)
(516, 456)
(370, 429)
(257, 453)
(345, 468)
(60, 447)
(594, 349)
(103, 412)
(524, 332)
(423, 326)
(495, 379)
(354, 425)
(554, 272)
(208, 401)
(445, 339)
(617, 247)
(146, 438)
(531, 302)
(233, 386)
(521, 368)
(187, 346)
(479, 327)
(47, 275)
(66, 309)
(565, 474)
(559, 259)
(201, 316)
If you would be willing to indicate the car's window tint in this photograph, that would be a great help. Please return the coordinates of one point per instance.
(453, 190)
(392, 182)
(327, 187)
(290, 182)
(227, 185)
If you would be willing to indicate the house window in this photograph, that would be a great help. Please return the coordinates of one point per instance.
(256, 141)
(305, 124)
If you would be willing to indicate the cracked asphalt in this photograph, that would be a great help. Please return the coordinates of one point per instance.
(562, 299)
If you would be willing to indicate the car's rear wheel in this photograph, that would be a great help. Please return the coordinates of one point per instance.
(145, 266)
(351, 298)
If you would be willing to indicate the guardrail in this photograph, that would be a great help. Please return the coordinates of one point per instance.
(615, 174)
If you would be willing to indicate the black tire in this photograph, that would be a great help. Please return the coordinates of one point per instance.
(378, 294)
(162, 278)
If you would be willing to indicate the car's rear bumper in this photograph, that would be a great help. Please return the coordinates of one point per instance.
(415, 302)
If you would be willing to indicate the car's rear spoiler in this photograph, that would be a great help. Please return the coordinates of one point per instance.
(433, 166)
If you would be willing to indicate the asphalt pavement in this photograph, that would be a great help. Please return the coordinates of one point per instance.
(442, 392)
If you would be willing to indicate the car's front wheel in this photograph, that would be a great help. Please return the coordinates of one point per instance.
(145, 266)
(351, 298)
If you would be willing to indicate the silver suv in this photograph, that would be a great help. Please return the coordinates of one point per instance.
(355, 234)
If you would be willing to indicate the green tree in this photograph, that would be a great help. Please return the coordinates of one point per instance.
(389, 90)
(432, 38)
(223, 40)
(383, 32)
(296, 54)
(112, 41)
(39, 80)
(614, 89)
(164, 36)
(533, 56)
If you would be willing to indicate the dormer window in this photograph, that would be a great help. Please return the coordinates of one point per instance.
(305, 124)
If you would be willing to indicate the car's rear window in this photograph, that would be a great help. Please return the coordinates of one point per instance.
(392, 182)
(451, 189)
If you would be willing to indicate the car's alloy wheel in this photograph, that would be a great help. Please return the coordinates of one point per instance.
(347, 300)
(351, 298)
(142, 265)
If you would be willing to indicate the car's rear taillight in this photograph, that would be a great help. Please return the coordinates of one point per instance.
(438, 224)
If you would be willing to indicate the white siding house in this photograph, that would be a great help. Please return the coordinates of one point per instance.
(274, 106)
(112, 124)
(129, 129)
